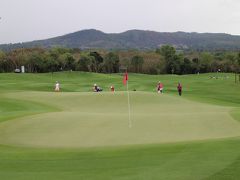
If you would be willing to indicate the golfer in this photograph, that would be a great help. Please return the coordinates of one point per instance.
(57, 86)
(179, 88)
(160, 87)
(112, 88)
(96, 88)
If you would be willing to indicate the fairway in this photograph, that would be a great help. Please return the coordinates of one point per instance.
(92, 120)
(78, 134)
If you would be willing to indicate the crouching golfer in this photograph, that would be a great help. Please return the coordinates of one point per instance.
(179, 87)
(96, 88)
(57, 86)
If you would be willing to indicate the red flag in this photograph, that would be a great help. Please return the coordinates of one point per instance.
(125, 78)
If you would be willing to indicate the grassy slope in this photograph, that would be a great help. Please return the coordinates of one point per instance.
(207, 159)
(201, 87)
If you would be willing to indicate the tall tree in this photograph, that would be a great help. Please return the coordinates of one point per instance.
(37, 61)
(206, 60)
(66, 61)
(50, 64)
(85, 63)
(111, 62)
(2, 61)
(98, 60)
(167, 52)
(173, 60)
(238, 60)
(186, 67)
(137, 62)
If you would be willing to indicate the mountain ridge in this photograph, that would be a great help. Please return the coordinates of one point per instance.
(135, 39)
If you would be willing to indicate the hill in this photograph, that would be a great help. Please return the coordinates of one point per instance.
(135, 39)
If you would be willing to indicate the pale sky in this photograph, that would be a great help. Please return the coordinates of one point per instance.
(27, 20)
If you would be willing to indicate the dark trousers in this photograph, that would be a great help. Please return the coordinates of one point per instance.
(180, 92)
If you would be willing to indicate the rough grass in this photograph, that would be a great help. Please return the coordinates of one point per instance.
(25, 98)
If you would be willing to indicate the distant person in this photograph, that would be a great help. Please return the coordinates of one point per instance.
(96, 88)
(112, 88)
(160, 87)
(57, 86)
(179, 88)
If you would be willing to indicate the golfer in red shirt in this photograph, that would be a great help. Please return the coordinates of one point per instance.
(179, 87)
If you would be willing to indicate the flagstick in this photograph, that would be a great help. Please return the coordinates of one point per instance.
(129, 112)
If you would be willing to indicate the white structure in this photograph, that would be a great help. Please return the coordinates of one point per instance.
(22, 69)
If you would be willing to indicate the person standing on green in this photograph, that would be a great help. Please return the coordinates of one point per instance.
(160, 87)
(179, 87)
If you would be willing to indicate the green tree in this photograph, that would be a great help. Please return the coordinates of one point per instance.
(111, 62)
(66, 61)
(167, 52)
(206, 60)
(126, 62)
(2, 55)
(238, 61)
(186, 67)
(85, 63)
(137, 63)
(98, 60)
(36, 61)
(14, 59)
(232, 61)
(50, 64)
(173, 61)
(2, 61)
(195, 65)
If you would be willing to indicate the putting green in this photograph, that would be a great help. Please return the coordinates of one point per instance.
(101, 119)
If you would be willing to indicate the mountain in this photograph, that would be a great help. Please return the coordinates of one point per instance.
(135, 39)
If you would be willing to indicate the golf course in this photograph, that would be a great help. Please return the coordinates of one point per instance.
(79, 134)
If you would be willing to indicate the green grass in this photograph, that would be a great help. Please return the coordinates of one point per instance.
(197, 160)
(92, 119)
(13, 108)
(77, 134)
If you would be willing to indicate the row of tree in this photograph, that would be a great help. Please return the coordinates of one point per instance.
(195, 62)
(164, 60)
